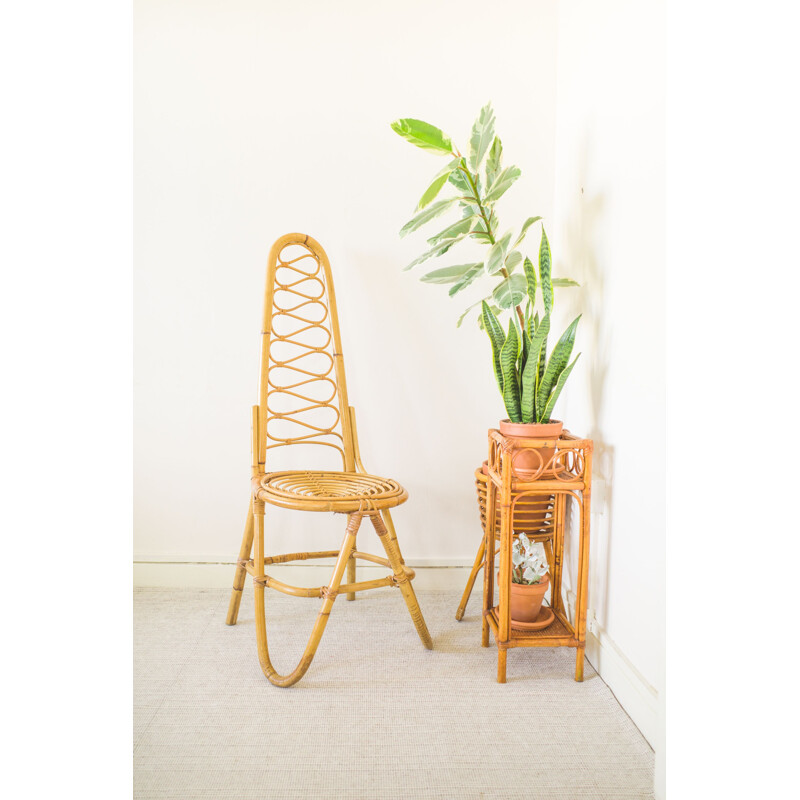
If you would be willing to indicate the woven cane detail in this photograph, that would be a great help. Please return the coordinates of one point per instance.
(342, 491)
(302, 393)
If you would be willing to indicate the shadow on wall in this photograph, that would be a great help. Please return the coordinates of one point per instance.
(580, 238)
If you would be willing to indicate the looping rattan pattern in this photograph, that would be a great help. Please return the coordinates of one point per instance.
(565, 465)
(330, 491)
(301, 402)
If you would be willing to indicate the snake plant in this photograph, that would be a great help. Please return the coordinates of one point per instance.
(529, 382)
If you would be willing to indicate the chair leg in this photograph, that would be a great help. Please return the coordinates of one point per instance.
(387, 520)
(476, 568)
(241, 572)
(351, 574)
(329, 595)
(392, 549)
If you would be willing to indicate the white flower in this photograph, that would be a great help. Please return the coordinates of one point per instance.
(536, 550)
(530, 575)
(530, 557)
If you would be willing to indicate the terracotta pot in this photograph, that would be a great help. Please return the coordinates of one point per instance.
(530, 463)
(526, 599)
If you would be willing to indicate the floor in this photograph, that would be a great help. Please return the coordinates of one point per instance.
(376, 716)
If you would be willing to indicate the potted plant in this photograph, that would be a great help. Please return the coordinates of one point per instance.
(530, 579)
(529, 381)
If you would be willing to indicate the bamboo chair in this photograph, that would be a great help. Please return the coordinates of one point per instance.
(302, 381)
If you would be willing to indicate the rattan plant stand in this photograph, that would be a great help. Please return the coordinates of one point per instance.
(303, 401)
(564, 476)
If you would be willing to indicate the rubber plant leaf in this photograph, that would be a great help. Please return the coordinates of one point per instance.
(510, 292)
(497, 339)
(447, 274)
(466, 311)
(525, 225)
(479, 230)
(439, 180)
(466, 279)
(459, 179)
(494, 161)
(564, 282)
(481, 236)
(436, 251)
(424, 135)
(497, 254)
(508, 365)
(427, 214)
(452, 231)
(481, 136)
(501, 184)
(513, 260)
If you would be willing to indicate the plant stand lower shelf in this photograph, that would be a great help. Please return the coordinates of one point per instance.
(559, 633)
(563, 476)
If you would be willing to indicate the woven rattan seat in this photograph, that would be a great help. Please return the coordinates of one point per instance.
(330, 491)
(303, 401)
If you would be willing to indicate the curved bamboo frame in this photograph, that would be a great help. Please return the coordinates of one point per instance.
(301, 380)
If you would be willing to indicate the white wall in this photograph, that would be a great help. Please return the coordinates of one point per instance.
(253, 119)
(609, 235)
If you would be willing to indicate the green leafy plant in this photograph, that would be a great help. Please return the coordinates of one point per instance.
(529, 382)
(528, 561)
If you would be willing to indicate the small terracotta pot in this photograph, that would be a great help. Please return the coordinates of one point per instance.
(526, 599)
(529, 464)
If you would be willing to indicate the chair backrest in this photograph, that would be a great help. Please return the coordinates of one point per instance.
(302, 394)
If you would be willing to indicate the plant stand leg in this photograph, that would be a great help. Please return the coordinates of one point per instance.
(502, 654)
(476, 568)
(488, 567)
(241, 572)
(504, 578)
(579, 664)
(581, 599)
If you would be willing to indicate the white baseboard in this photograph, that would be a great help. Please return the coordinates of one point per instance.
(634, 693)
(219, 575)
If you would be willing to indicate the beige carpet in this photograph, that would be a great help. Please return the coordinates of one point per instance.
(376, 716)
